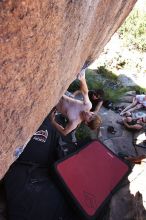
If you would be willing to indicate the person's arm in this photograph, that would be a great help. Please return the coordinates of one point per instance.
(136, 126)
(83, 85)
(98, 107)
(64, 131)
(129, 107)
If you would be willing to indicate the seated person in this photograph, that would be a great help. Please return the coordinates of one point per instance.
(76, 111)
(138, 102)
(133, 124)
(96, 98)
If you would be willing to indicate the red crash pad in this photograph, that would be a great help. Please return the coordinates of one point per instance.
(90, 176)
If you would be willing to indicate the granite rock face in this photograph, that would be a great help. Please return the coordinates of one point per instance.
(43, 45)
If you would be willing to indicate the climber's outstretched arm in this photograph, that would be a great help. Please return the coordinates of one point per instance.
(83, 85)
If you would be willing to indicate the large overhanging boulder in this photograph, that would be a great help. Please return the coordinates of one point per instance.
(43, 44)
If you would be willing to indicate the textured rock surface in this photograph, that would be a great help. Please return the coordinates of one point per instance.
(43, 44)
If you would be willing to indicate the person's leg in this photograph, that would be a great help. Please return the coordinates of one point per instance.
(138, 106)
(129, 106)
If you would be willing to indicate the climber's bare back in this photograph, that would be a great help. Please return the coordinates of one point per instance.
(73, 108)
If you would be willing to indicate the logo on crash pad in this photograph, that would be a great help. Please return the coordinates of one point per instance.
(41, 136)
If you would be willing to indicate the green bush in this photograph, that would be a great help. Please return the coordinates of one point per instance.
(138, 89)
(106, 73)
(74, 86)
(133, 30)
(83, 132)
(92, 81)
(115, 95)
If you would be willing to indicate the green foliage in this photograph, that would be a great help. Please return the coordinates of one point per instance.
(83, 132)
(114, 95)
(94, 83)
(133, 30)
(106, 73)
(138, 89)
(91, 79)
(74, 86)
